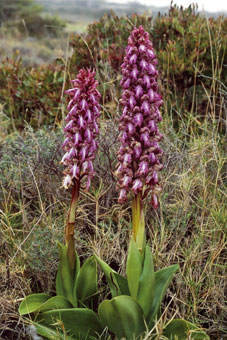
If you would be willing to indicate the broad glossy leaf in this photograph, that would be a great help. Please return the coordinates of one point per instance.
(123, 316)
(107, 270)
(146, 283)
(87, 281)
(50, 333)
(32, 302)
(133, 268)
(76, 272)
(59, 287)
(59, 284)
(79, 323)
(122, 284)
(65, 277)
(179, 329)
(163, 278)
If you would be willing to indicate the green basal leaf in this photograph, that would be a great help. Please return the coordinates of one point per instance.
(65, 276)
(32, 302)
(78, 323)
(87, 281)
(50, 333)
(123, 316)
(76, 273)
(179, 329)
(163, 278)
(146, 283)
(59, 287)
(133, 268)
(107, 270)
(122, 284)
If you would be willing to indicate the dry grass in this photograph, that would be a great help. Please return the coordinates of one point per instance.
(189, 227)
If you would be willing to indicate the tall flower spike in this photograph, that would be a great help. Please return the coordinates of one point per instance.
(138, 124)
(138, 157)
(81, 129)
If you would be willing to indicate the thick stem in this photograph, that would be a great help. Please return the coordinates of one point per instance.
(70, 225)
(138, 223)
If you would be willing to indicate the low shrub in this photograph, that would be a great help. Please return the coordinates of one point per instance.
(31, 95)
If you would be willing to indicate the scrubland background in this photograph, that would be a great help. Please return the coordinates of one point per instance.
(40, 52)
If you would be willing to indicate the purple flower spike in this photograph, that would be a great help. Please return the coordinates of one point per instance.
(81, 129)
(139, 154)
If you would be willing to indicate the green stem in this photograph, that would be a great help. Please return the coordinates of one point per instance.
(70, 225)
(138, 223)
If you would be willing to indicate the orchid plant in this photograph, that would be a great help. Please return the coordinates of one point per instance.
(76, 286)
(136, 300)
(135, 307)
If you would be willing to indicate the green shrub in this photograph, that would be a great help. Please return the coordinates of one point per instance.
(191, 51)
(31, 95)
(192, 55)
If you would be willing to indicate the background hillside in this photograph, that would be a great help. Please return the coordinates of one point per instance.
(71, 9)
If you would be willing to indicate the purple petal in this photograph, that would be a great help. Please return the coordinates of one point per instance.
(72, 153)
(152, 158)
(88, 183)
(143, 168)
(152, 69)
(88, 115)
(88, 134)
(123, 196)
(77, 138)
(83, 104)
(132, 102)
(69, 126)
(65, 157)
(139, 91)
(144, 137)
(137, 150)
(77, 93)
(73, 109)
(127, 83)
(135, 72)
(132, 59)
(127, 159)
(75, 171)
(83, 153)
(126, 181)
(142, 48)
(151, 95)
(154, 201)
(152, 126)
(81, 122)
(67, 181)
(131, 128)
(138, 119)
(137, 185)
(92, 98)
(66, 141)
(151, 54)
(147, 81)
(96, 111)
(143, 64)
(145, 107)
(69, 104)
